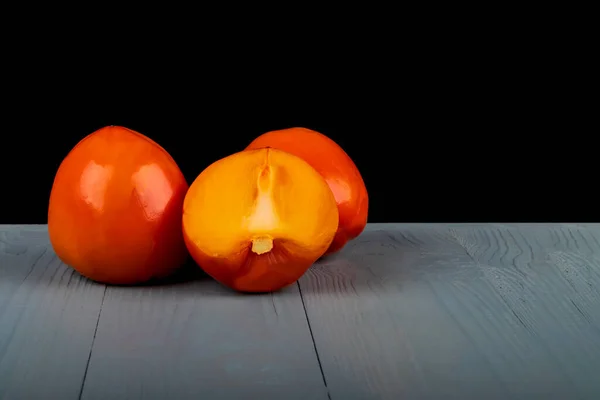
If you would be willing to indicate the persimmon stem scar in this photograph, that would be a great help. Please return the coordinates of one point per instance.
(262, 245)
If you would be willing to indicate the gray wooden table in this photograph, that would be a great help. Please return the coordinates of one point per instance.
(407, 311)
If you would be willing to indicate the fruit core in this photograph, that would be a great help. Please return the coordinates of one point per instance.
(264, 217)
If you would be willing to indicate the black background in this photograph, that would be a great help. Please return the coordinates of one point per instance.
(439, 132)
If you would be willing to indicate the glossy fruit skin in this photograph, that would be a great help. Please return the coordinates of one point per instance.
(338, 169)
(250, 198)
(115, 208)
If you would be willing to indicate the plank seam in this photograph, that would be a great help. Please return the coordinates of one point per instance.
(313, 340)
(87, 365)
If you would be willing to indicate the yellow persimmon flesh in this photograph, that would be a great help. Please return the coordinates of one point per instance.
(257, 220)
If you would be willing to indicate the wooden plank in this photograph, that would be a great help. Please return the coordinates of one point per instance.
(48, 314)
(460, 311)
(199, 340)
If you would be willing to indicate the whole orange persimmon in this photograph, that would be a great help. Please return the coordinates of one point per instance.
(115, 208)
(257, 220)
(338, 169)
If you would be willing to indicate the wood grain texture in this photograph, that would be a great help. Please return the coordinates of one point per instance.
(460, 311)
(48, 314)
(198, 340)
(416, 311)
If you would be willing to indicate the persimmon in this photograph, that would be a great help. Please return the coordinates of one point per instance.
(115, 208)
(257, 220)
(338, 169)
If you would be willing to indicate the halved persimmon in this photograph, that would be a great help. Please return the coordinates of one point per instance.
(257, 220)
(338, 169)
(115, 208)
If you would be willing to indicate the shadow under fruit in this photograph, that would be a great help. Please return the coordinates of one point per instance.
(115, 208)
(257, 220)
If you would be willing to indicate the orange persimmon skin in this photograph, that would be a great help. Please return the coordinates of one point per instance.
(338, 169)
(115, 208)
(257, 220)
